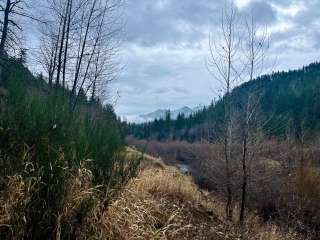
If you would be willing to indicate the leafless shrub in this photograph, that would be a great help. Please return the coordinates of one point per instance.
(276, 183)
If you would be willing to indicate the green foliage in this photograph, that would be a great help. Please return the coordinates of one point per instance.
(43, 138)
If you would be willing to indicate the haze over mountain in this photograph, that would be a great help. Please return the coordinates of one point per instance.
(161, 114)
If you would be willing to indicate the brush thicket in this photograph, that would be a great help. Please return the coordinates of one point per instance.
(57, 164)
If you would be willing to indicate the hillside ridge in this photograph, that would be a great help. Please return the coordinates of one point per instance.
(287, 100)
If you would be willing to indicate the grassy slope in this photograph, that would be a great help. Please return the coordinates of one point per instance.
(162, 203)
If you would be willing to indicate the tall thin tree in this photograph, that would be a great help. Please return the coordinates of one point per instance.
(221, 64)
(255, 47)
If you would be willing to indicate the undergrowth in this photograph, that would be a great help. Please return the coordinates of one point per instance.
(46, 146)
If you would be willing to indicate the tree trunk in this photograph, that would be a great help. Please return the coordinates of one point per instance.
(66, 46)
(62, 45)
(244, 180)
(5, 28)
(79, 62)
(229, 207)
(4, 38)
(227, 152)
(54, 60)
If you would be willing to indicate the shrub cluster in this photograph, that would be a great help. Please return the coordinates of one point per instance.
(44, 142)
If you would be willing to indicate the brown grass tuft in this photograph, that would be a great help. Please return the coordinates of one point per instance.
(165, 204)
(160, 204)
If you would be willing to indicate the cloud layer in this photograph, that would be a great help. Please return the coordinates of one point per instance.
(167, 43)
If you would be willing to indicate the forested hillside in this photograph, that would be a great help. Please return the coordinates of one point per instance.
(60, 164)
(289, 103)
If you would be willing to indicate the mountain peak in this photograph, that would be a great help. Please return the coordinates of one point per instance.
(161, 113)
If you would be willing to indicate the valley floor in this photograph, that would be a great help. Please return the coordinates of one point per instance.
(163, 203)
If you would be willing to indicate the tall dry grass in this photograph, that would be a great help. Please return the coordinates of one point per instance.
(162, 203)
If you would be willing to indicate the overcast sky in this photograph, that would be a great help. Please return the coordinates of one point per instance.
(166, 45)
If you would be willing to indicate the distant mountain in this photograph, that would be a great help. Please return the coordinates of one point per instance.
(198, 108)
(290, 101)
(161, 114)
(186, 111)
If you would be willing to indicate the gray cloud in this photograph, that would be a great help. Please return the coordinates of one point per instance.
(181, 90)
(168, 21)
(167, 43)
(161, 90)
(262, 12)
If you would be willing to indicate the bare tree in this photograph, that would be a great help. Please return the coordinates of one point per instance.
(10, 40)
(85, 48)
(222, 65)
(55, 33)
(49, 51)
(8, 34)
(255, 47)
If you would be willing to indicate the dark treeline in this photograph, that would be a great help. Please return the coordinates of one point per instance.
(289, 103)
